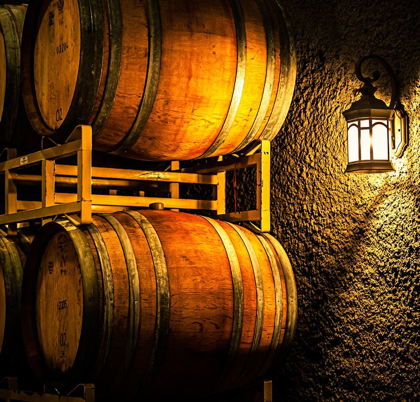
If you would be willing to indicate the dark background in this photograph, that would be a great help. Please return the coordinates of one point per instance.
(353, 240)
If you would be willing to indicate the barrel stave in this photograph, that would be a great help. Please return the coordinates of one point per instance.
(121, 304)
(201, 309)
(142, 354)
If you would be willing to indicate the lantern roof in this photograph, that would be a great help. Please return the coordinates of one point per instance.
(368, 106)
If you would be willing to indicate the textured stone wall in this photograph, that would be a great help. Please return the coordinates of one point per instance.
(353, 240)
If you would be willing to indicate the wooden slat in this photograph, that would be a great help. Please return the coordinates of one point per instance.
(143, 175)
(26, 205)
(253, 215)
(130, 201)
(10, 193)
(84, 178)
(36, 157)
(10, 200)
(28, 179)
(107, 209)
(268, 391)
(48, 183)
(225, 165)
(22, 216)
(221, 193)
(174, 187)
(263, 186)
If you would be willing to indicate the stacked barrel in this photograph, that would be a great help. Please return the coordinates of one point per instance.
(13, 252)
(11, 272)
(11, 107)
(150, 304)
(159, 80)
(156, 304)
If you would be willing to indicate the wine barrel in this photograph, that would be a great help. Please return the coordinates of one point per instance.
(159, 79)
(11, 272)
(156, 304)
(13, 252)
(11, 25)
(15, 129)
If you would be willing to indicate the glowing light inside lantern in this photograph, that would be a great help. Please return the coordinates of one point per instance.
(353, 143)
(365, 143)
(380, 142)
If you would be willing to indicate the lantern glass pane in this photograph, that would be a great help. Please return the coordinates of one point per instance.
(380, 141)
(353, 143)
(365, 123)
(365, 144)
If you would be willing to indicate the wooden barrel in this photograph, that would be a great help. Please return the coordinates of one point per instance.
(12, 259)
(159, 79)
(11, 25)
(156, 304)
(15, 129)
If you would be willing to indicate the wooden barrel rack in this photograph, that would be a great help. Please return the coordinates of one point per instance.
(79, 206)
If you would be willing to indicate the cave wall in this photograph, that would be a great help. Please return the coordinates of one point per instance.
(353, 240)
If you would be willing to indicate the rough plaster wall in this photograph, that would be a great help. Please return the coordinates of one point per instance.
(353, 240)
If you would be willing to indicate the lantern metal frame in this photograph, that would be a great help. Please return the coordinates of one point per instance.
(370, 108)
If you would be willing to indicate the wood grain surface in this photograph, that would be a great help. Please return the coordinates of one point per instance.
(131, 77)
(59, 304)
(173, 80)
(56, 59)
(204, 316)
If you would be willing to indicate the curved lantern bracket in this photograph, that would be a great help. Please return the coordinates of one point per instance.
(399, 119)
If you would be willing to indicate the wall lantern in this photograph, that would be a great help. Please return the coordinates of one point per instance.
(373, 128)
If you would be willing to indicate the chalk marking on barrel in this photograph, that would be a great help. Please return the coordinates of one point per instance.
(61, 305)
